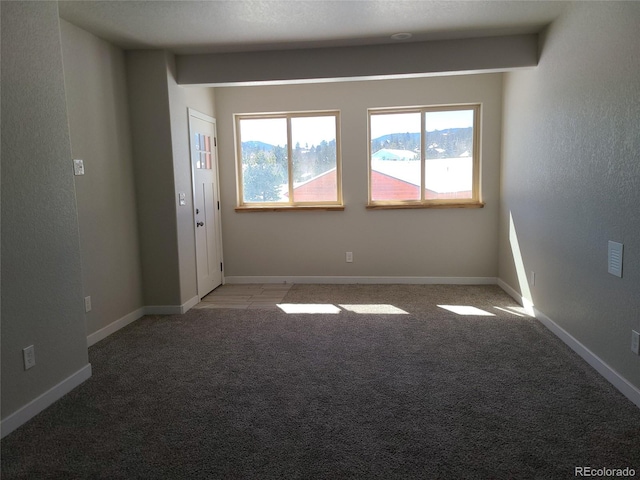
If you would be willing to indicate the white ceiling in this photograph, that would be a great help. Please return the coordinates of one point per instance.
(185, 26)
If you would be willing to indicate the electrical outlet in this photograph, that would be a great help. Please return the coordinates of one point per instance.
(87, 304)
(29, 357)
(635, 342)
(78, 167)
(349, 257)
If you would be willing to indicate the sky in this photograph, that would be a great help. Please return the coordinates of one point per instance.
(312, 130)
(410, 122)
(305, 130)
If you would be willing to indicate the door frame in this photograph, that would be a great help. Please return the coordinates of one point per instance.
(207, 118)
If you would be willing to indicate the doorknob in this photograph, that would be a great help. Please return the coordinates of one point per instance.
(200, 224)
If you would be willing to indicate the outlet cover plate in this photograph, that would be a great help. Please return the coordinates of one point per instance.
(78, 167)
(29, 356)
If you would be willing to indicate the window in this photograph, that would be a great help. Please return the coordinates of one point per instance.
(203, 149)
(424, 157)
(288, 160)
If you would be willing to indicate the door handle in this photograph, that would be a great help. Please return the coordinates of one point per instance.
(200, 224)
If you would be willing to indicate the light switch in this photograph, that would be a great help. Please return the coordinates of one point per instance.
(182, 199)
(78, 167)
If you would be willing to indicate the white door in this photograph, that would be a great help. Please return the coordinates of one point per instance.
(206, 201)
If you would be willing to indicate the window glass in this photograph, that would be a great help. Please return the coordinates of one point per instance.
(395, 156)
(423, 155)
(314, 159)
(448, 170)
(289, 159)
(264, 160)
(203, 151)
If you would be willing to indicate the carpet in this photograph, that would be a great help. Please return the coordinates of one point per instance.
(400, 382)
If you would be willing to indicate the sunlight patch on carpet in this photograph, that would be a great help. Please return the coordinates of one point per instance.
(467, 310)
(375, 308)
(368, 309)
(308, 308)
(513, 311)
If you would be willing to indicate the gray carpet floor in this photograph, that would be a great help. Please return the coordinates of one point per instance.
(261, 394)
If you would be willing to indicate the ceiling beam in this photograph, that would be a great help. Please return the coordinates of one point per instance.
(442, 57)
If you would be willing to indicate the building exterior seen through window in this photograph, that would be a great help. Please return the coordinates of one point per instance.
(418, 156)
(288, 159)
(424, 156)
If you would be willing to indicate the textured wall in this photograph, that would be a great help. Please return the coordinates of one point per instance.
(201, 98)
(420, 242)
(41, 273)
(571, 178)
(95, 83)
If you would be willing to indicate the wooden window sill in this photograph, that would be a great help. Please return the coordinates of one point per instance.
(292, 208)
(393, 206)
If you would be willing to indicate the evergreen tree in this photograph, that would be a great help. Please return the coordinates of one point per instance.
(263, 177)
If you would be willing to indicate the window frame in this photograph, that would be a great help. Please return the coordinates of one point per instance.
(291, 204)
(473, 202)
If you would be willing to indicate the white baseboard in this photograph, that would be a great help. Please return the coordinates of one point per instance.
(171, 309)
(114, 326)
(364, 280)
(622, 384)
(35, 406)
(512, 292)
(525, 302)
(617, 380)
(188, 305)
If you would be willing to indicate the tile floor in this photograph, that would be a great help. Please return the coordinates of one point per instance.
(245, 296)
